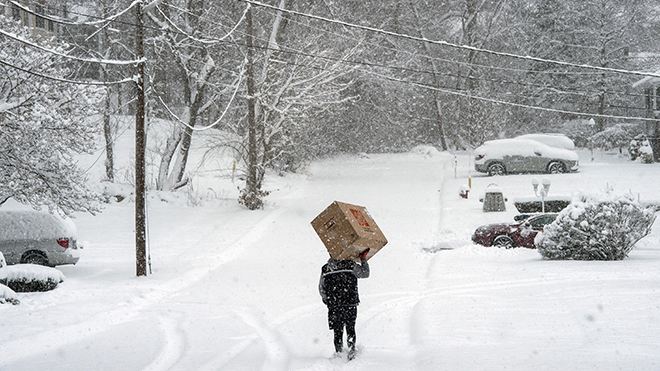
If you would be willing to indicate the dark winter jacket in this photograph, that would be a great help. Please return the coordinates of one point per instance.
(338, 284)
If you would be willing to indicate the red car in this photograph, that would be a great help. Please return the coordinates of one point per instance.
(509, 235)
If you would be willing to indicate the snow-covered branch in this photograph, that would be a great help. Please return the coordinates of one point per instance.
(58, 53)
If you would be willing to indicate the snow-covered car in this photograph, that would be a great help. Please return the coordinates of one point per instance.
(32, 237)
(517, 234)
(551, 139)
(518, 155)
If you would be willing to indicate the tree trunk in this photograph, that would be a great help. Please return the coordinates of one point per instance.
(436, 94)
(172, 175)
(184, 148)
(104, 50)
(109, 140)
(257, 146)
(163, 183)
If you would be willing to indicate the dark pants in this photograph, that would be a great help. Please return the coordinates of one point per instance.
(338, 318)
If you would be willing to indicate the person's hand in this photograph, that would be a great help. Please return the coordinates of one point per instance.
(364, 253)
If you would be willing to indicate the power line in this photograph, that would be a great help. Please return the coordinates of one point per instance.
(214, 40)
(288, 50)
(468, 64)
(446, 90)
(491, 100)
(341, 60)
(519, 105)
(101, 20)
(61, 21)
(208, 41)
(98, 83)
(231, 100)
(36, 46)
(444, 43)
(452, 45)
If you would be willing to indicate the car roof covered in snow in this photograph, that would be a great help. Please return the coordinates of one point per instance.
(522, 147)
(30, 224)
(551, 139)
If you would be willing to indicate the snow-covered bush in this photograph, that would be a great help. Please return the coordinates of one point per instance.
(646, 152)
(30, 277)
(8, 295)
(597, 227)
(617, 136)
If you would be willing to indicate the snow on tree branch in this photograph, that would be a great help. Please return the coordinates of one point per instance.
(43, 123)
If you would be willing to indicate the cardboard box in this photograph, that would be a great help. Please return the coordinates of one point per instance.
(347, 230)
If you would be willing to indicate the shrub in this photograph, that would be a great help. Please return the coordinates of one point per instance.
(30, 277)
(536, 206)
(252, 200)
(597, 227)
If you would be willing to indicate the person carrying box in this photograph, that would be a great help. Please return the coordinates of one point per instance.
(338, 287)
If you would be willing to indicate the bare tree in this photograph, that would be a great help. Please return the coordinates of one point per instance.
(301, 76)
(604, 33)
(195, 64)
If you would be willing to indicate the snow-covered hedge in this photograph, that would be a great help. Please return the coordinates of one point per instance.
(553, 204)
(30, 277)
(597, 227)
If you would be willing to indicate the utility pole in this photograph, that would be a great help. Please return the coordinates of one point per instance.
(140, 144)
(251, 182)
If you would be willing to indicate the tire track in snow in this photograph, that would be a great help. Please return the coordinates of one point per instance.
(278, 352)
(407, 302)
(15, 350)
(278, 355)
(174, 345)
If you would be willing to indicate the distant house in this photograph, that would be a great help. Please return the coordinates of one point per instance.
(651, 86)
(28, 13)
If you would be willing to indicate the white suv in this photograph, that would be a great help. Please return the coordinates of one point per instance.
(32, 237)
(516, 155)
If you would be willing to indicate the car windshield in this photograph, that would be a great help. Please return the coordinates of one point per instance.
(541, 221)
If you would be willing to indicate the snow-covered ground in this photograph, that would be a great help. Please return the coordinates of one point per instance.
(233, 289)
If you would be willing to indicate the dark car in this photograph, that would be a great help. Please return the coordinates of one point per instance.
(517, 234)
